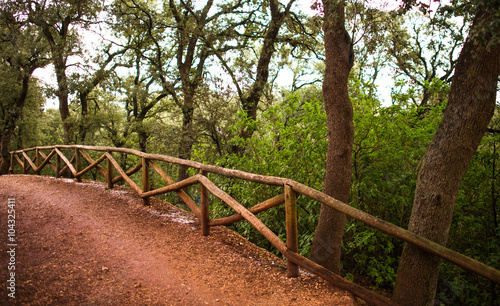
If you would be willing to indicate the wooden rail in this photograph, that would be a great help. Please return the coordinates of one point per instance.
(288, 197)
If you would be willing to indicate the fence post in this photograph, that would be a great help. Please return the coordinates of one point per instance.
(58, 166)
(24, 165)
(292, 241)
(12, 163)
(146, 183)
(78, 164)
(109, 174)
(205, 229)
(37, 161)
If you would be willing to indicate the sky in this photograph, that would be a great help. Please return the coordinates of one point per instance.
(47, 77)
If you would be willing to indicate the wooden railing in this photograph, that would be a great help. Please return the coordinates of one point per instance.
(288, 197)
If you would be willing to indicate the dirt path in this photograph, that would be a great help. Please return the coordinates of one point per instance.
(80, 244)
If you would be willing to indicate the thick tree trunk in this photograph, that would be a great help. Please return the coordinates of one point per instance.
(470, 107)
(326, 248)
(10, 126)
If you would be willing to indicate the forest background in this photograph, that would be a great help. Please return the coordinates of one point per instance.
(238, 84)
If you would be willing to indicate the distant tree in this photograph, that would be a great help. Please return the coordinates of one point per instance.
(368, 27)
(280, 31)
(106, 67)
(251, 99)
(141, 100)
(139, 32)
(424, 52)
(174, 44)
(191, 54)
(59, 22)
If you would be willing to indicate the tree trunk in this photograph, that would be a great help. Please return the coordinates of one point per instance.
(82, 134)
(10, 126)
(62, 93)
(326, 248)
(251, 101)
(186, 141)
(470, 107)
(143, 137)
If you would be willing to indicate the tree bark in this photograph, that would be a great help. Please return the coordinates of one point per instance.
(326, 248)
(470, 107)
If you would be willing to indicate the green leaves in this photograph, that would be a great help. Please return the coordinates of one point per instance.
(289, 141)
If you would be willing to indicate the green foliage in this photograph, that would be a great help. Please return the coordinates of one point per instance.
(27, 133)
(370, 254)
(389, 144)
(274, 150)
(291, 141)
(39, 128)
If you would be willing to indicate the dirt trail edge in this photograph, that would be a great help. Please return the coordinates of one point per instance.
(80, 244)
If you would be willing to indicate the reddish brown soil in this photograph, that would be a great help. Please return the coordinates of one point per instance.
(80, 244)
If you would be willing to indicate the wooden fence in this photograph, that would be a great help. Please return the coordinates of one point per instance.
(290, 191)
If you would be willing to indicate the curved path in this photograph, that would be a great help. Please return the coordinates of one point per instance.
(80, 244)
